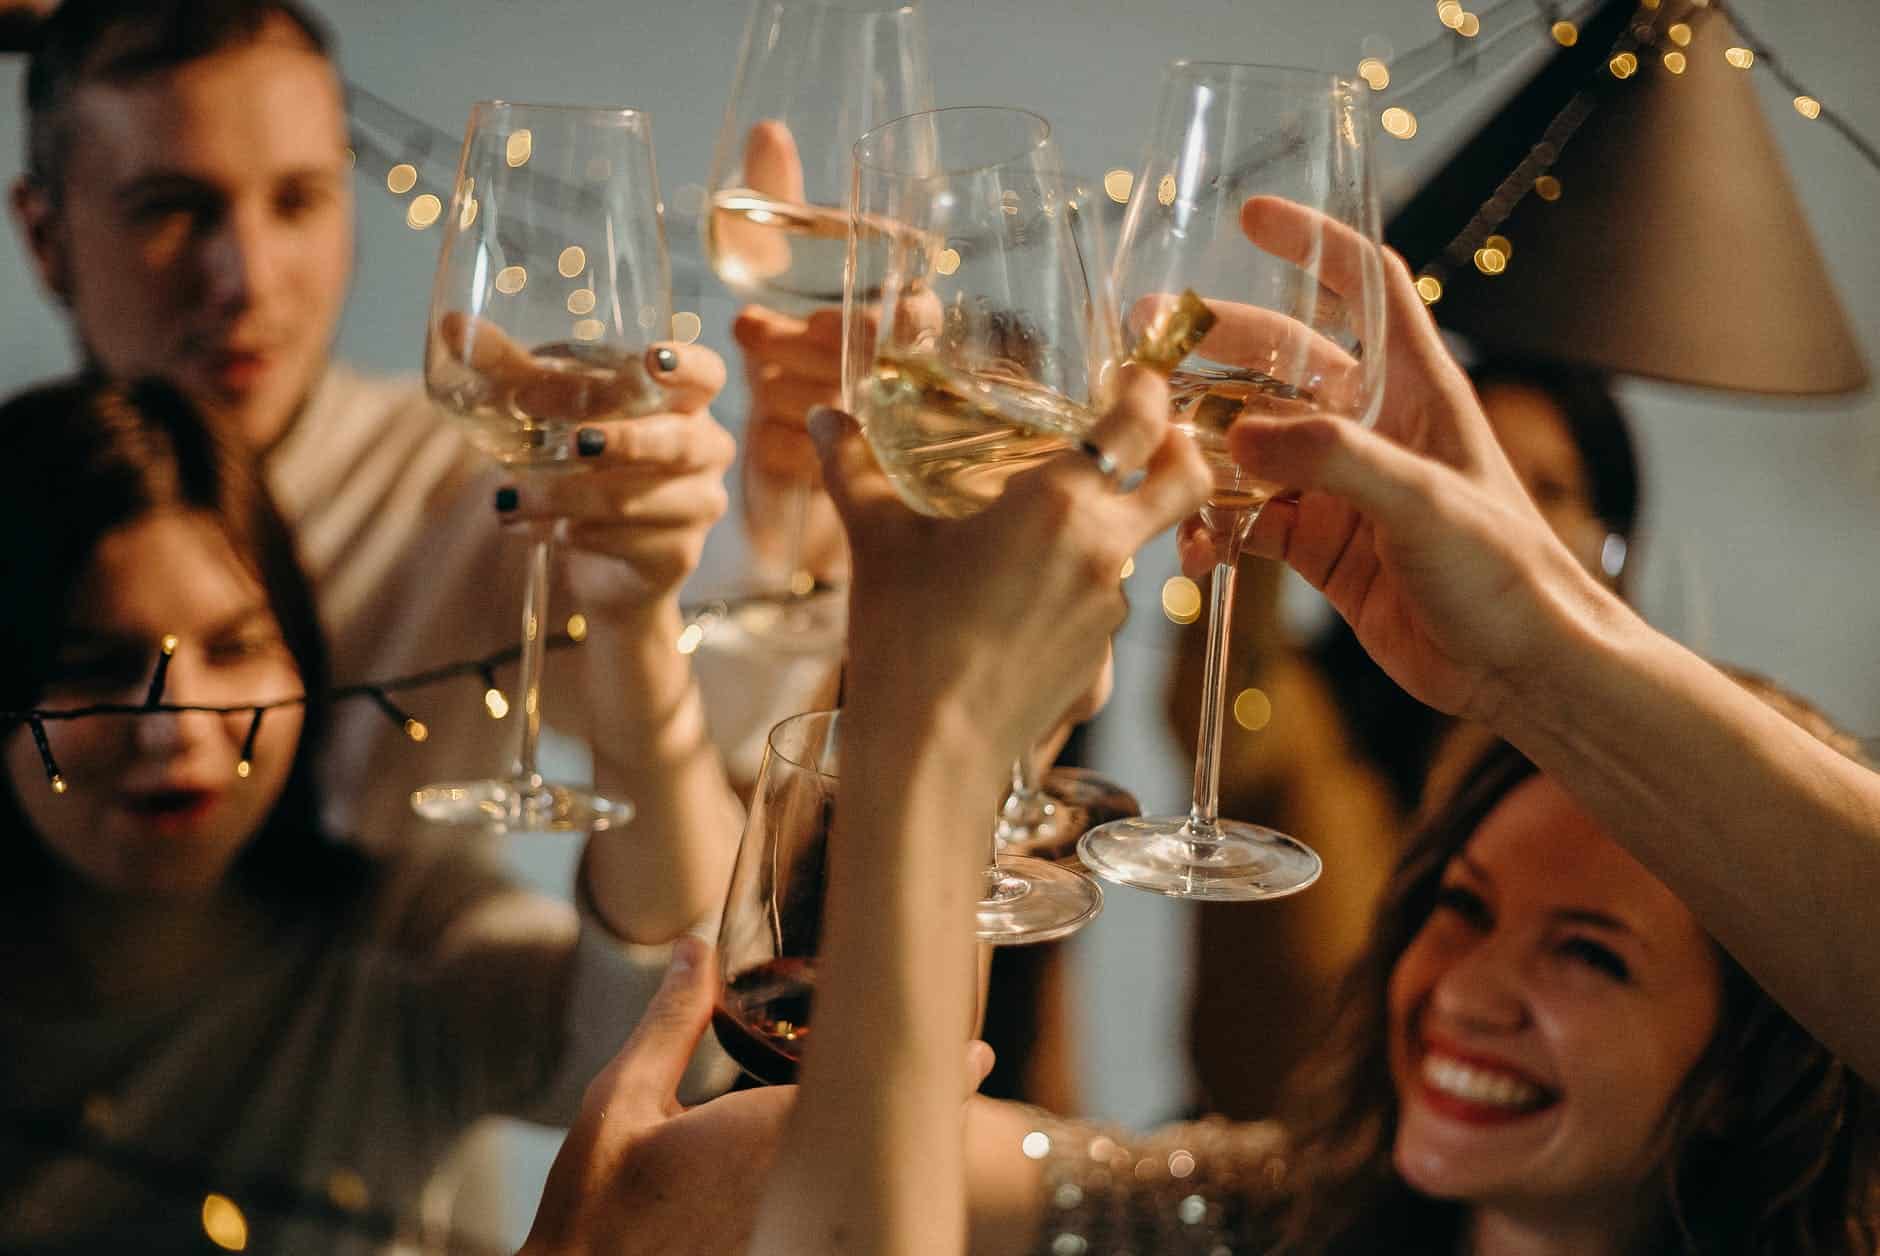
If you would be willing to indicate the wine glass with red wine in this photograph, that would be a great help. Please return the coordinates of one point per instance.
(772, 926)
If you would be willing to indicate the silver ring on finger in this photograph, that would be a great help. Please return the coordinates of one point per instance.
(1120, 480)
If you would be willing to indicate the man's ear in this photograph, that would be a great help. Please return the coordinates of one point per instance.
(43, 231)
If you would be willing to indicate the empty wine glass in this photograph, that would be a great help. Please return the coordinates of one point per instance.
(979, 341)
(552, 283)
(811, 78)
(1235, 147)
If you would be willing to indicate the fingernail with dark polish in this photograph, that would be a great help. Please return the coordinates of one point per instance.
(506, 499)
(589, 441)
(666, 359)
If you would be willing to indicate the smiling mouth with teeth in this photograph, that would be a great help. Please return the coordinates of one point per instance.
(1482, 1088)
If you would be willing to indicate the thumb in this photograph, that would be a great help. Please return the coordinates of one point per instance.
(772, 164)
(646, 1073)
(1385, 481)
(854, 480)
(979, 1061)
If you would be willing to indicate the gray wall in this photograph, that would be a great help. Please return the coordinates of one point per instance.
(1762, 515)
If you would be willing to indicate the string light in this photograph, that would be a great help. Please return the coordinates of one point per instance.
(1181, 600)
(1623, 65)
(573, 261)
(1674, 61)
(1741, 58)
(1375, 73)
(690, 639)
(1450, 13)
(686, 327)
(246, 764)
(166, 650)
(1430, 288)
(1253, 710)
(1500, 244)
(1470, 26)
(223, 1222)
(511, 279)
(1680, 34)
(581, 301)
(1116, 185)
(519, 148)
(1398, 122)
(1808, 107)
(36, 719)
(1129, 569)
(1566, 34)
(1547, 187)
(401, 178)
(577, 627)
(423, 212)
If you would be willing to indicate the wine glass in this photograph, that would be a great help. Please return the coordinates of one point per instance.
(811, 77)
(769, 936)
(979, 340)
(1291, 338)
(552, 283)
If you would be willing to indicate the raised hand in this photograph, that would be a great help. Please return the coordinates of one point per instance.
(653, 484)
(1417, 531)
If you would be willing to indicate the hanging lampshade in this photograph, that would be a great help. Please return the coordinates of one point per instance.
(1663, 238)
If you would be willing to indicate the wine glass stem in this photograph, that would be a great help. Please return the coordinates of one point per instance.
(798, 510)
(1205, 811)
(534, 625)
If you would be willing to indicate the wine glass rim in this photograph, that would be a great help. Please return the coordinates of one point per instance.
(1240, 69)
(881, 8)
(1043, 138)
(788, 757)
(621, 113)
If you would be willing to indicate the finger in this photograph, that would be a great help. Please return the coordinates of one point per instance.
(663, 444)
(979, 1061)
(1200, 548)
(772, 164)
(1340, 257)
(645, 1075)
(824, 327)
(1379, 477)
(483, 347)
(853, 479)
(691, 375)
(1176, 484)
(782, 450)
(1132, 428)
(628, 495)
(768, 339)
(1251, 335)
(790, 398)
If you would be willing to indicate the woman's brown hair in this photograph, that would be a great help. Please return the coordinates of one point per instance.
(84, 457)
(1768, 1149)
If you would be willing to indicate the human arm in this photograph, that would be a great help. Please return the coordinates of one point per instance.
(949, 679)
(1423, 540)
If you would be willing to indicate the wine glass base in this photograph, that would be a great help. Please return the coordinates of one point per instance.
(520, 806)
(1073, 801)
(1233, 862)
(1037, 902)
(815, 623)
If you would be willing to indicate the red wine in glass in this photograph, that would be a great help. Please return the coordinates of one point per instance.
(762, 1018)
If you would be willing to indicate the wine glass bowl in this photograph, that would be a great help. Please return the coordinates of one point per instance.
(552, 284)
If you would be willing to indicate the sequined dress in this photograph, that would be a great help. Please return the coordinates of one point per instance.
(1195, 1189)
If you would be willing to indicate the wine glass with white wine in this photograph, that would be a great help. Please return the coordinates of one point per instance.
(979, 341)
(552, 283)
(1284, 156)
(812, 77)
